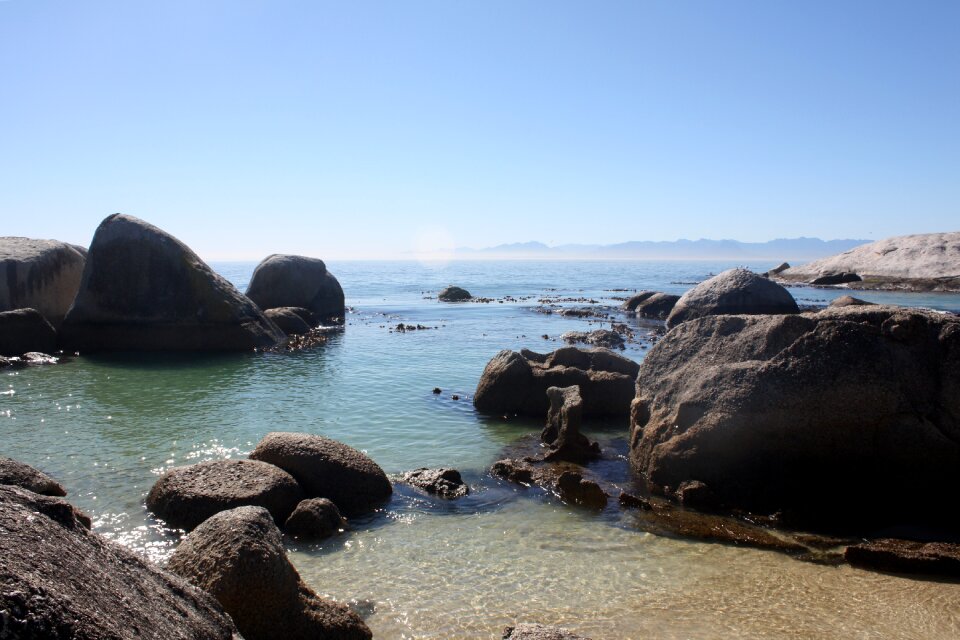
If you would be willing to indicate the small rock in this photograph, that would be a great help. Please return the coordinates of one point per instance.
(574, 489)
(630, 501)
(446, 483)
(657, 307)
(314, 518)
(632, 302)
(848, 301)
(437, 391)
(23, 475)
(454, 294)
(598, 338)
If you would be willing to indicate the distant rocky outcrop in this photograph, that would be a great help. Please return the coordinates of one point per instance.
(23, 475)
(144, 290)
(326, 468)
(735, 291)
(656, 307)
(25, 330)
(238, 557)
(186, 496)
(446, 483)
(517, 383)
(454, 294)
(834, 416)
(924, 262)
(60, 581)
(298, 281)
(39, 274)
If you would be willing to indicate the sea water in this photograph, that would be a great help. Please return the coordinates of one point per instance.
(107, 426)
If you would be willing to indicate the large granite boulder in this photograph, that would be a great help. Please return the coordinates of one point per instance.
(25, 330)
(186, 496)
(238, 557)
(23, 475)
(39, 274)
(328, 469)
(297, 281)
(60, 581)
(735, 291)
(845, 414)
(517, 383)
(657, 307)
(144, 290)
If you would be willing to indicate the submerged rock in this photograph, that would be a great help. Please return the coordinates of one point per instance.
(298, 281)
(25, 330)
(446, 483)
(562, 432)
(23, 475)
(39, 274)
(326, 468)
(527, 631)
(905, 556)
(735, 291)
(454, 294)
(58, 580)
(314, 518)
(238, 557)
(144, 290)
(186, 496)
(657, 307)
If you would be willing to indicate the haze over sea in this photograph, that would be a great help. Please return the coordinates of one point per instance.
(108, 425)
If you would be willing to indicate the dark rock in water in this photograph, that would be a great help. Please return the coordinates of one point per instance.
(905, 556)
(314, 518)
(25, 330)
(528, 631)
(630, 501)
(562, 433)
(777, 270)
(848, 301)
(564, 479)
(446, 483)
(831, 416)
(696, 494)
(598, 338)
(632, 302)
(289, 321)
(574, 489)
(326, 468)
(298, 281)
(186, 496)
(39, 274)
(517, 383)
(23, 475)
(144, 290)
(238, 557)
(657, 307)
(836, 278)
(60, 581)
(512, 470)
(437, 391)
(735, 291)
(454, 294)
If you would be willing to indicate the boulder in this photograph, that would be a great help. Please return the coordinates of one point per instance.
(848, 301)
(906, 556)
(528, 631)
(144, 290)
(39, 274)
(23, 475)
(314, 518)
(835, 278)
(186, 496)
(598, 338)
(833, 415)
(454, 294)
(777, 270)
(298, 281)
(60, 581)
(562, 432)
(289, 321)
(574, 489)
(25, 330)
(517, 383)
(631, 303)
(237, 556)
(326, 468)
(657, 307)
(446, 483)
(735, 291)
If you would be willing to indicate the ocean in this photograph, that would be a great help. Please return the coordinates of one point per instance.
(106, 426)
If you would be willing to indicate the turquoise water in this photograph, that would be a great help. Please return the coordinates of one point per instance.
(106, 426)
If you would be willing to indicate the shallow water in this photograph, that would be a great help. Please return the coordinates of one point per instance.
(106, 426)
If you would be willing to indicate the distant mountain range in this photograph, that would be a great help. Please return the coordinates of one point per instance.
(787, 249)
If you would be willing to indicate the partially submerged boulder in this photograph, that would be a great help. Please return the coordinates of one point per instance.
(562, 432)
(830, 279)
(735, 291)
(517, 383)
(144, 290)
(326, 468)
(631, 303)
(25, 330)
(314, 518)
(446, 483)
(23, 475)
(657, 307)
(186, 496)
(848, 301)
(530, 631)
(454, 294)
(238, 557)
(58, 580)
(599, 338)
(833, 416)
(297, 281)
(39, 274)
(289, 321)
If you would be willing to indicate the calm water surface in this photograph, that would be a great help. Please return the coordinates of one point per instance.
(106, 426)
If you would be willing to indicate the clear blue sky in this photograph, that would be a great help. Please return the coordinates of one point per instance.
(372, 128)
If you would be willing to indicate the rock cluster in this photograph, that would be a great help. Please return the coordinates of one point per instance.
(298, 281)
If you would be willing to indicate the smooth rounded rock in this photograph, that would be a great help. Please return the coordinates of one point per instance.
(656, 307)
(630, 304)
(297, 281)
(454, 294)
(39, 274)
(735, 291)
(314, 518)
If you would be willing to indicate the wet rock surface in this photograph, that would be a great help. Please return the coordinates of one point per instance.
(656, 307)
(238, 557)
(735, 291)
(532, 631)
(905, 556)
(23, 475)
(60, 581)
(39, 274)
(313, 519)
(298, 281)
(562, 431)
(454, 294)
(446, 483)
(25, 330)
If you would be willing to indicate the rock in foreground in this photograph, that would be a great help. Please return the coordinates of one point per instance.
(23, 475)
(25, 330)
(59, 581)
(39, 274)
(297, 281)
(238, 557)
(735, 291)
(835, 415)
(326, 468)
(144, 290)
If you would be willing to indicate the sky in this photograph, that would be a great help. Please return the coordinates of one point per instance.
(376, 129)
